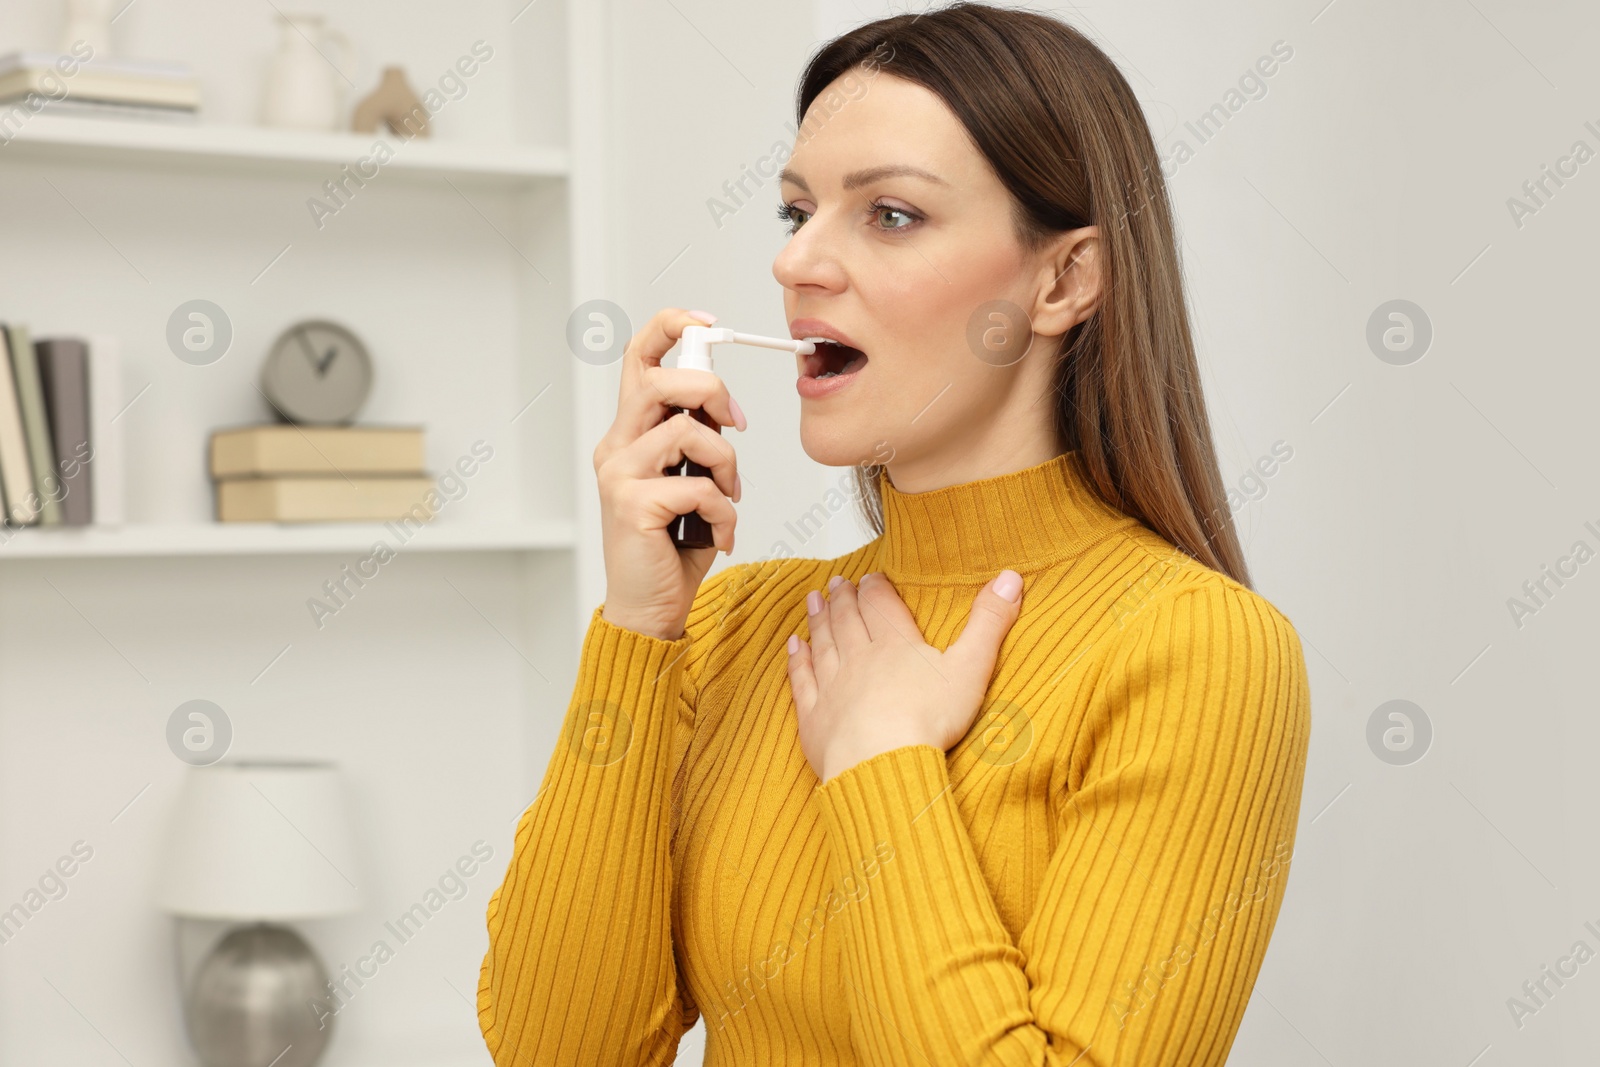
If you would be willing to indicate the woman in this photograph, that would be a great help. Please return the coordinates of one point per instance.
(1017, 782)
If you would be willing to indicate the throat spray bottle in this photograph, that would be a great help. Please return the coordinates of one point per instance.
(694, 352)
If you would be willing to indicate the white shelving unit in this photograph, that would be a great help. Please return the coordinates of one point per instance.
(221, 150)
(266, 538)
(258, 150)
(439, 683)
(224, 152)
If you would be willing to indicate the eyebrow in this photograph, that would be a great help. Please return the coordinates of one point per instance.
(868, 176)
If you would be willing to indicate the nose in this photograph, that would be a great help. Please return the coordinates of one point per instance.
(809, 261)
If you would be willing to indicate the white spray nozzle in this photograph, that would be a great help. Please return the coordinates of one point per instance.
(695, 348)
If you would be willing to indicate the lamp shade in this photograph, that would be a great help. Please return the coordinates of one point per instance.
(260, 840)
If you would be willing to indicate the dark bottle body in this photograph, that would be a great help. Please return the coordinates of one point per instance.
(691, 531)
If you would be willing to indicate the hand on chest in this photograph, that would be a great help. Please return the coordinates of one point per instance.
(867, 680)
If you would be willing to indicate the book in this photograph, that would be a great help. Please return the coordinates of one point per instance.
(64, 376)
(35, 425)
(107, 486)
(319, 450)
(22, 506)
(318, 499)
(101, 109)
(115, 81)
(68, 66)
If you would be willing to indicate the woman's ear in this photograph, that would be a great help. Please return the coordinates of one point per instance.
(1070, 276)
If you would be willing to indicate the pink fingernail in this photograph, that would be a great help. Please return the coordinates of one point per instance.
(794, 644)
(813, 602)
(1008, 586)
(738, 415)
(704, 316)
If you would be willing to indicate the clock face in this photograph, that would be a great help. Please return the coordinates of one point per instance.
(317, 372)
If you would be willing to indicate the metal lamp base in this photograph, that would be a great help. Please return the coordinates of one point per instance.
(252, 1001)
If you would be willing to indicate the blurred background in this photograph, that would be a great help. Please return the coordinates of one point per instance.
(1388, 245)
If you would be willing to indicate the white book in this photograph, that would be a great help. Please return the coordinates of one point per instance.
(108, 480)
(117, 65)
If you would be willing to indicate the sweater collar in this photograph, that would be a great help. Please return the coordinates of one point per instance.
(1026, 521)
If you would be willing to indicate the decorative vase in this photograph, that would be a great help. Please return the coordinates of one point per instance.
(304, 83)
(395, 104)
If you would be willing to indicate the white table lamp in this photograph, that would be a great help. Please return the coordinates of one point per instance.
(260, 842)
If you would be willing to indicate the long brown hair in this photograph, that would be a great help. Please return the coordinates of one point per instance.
(1065, 134)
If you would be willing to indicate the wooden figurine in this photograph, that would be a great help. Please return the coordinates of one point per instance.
(395, 104)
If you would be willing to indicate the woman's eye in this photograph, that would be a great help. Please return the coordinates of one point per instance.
(879, 210)
(792, 215)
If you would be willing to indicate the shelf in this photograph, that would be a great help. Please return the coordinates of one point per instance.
(255, 148)
(268, 539)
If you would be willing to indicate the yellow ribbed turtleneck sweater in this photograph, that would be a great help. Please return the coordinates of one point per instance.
(1089, 877)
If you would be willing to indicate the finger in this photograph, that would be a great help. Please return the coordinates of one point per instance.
(683, 387)
(653, 341)
(821, 630)
(884, 613)
(666, 445)
(644, 352)
(645, 349)
(990, 621)
(653, 503)
(649, 389)
(802, 678)
(844, 615)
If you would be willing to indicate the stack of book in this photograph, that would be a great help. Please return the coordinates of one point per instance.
(287, 473)
(49, 83)
(59, 400)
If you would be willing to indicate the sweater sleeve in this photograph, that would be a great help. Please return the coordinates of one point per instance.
(1170, 863)
(580, 967)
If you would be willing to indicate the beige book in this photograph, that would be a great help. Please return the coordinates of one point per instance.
(16, 471)
(314, 499)
(321, 450)
(89, 84)
(36, 425)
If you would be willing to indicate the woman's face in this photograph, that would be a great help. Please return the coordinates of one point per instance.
(902, 242)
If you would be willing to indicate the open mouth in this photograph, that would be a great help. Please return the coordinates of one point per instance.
(832, 359)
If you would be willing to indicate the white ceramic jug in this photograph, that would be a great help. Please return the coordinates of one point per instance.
(305, 87)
